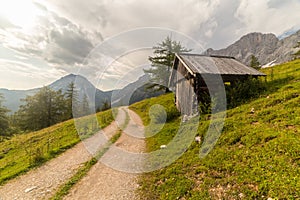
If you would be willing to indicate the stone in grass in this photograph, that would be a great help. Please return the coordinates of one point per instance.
(163, 146)
(198, 139)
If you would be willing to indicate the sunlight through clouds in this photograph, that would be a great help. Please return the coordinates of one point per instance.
(20, 13)
(61, 34)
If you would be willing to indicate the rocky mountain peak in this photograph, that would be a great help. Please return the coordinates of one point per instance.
(265, 46)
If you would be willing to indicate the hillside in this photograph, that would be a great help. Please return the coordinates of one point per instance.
(256, 157)
(25, 151)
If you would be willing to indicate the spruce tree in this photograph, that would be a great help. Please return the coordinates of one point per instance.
(4, 121)
(71, 99)
(85, 107)
(162, 62)
(45, 108)
(254, 62)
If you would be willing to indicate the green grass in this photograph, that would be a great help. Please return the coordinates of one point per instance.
(24, 152)
(257, 155)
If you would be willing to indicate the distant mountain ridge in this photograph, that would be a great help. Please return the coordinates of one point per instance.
(82, 85)
(131, 93)
(266, 47)
(12, 98)
(134, 92)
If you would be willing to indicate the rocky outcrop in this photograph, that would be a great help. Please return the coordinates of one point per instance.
(266, 47)
(286, 48)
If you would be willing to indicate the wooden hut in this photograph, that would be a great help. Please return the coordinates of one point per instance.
(191, 72)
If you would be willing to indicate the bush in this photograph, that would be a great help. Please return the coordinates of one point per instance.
(242, 91)
(38, 157)
(172, 113)
(236, 94)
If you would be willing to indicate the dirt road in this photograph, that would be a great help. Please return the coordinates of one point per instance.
(42, 182)
(103, 182)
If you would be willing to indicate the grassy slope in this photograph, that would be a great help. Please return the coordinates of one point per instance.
(23, 152)
(257, 155)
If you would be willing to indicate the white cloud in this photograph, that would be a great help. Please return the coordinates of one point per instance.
(261, 16)
(53, 38)
(65, 32)
(21, 75)
(113, 17)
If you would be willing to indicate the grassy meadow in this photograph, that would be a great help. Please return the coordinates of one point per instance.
(256, 157)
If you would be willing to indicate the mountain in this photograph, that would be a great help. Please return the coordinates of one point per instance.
(83, 86)
(95, 96)
(266, 47)
(12, 98)
(131, 93)
(134, 92)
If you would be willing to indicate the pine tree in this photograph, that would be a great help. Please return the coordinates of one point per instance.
(162, 62)
(85, 107)
(45, 108)
(72, 100)
(106, 105)
(254, 62)
(4, 121)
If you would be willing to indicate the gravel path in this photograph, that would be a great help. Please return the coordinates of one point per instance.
(42, 182)
(103, 182)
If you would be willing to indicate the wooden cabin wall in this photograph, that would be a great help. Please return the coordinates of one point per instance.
(186, 99)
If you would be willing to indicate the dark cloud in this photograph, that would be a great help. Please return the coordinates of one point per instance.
(54, 39)
(90, 14)
(68, 45)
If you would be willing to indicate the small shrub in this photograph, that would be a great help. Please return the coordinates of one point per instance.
(204, 106)
(38, 157)
(242, 91)
(172, 113)
(158, 114)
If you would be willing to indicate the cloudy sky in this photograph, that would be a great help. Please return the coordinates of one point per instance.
(105, 40)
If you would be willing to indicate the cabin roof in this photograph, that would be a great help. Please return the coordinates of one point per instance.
(210, 64)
